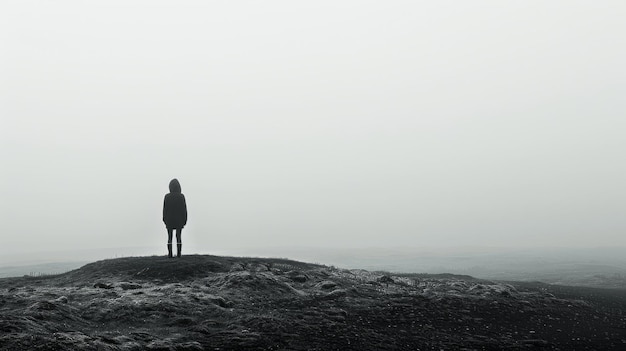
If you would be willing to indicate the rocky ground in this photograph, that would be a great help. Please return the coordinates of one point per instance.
(228, 303)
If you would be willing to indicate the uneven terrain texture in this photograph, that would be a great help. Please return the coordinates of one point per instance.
(228, 303)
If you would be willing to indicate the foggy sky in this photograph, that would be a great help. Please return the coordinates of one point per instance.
(313, 123)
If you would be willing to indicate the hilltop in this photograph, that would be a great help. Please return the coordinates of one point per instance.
(202, 302)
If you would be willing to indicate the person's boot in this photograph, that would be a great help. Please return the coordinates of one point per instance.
(169, 250)
(180, 247)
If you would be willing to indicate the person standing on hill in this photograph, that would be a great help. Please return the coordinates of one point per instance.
(174, 215)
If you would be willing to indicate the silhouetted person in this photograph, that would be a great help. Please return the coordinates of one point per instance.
(174, 215)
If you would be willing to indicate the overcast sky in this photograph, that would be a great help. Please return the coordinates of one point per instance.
(313, 123)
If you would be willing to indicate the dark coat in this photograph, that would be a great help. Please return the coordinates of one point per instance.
(174, 207)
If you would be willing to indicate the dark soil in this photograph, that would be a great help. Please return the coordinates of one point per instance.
(228, 303)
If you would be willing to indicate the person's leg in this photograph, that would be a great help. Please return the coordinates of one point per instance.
(169, 242)
(179, 243)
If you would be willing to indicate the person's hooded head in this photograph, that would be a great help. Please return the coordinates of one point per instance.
(174, 186)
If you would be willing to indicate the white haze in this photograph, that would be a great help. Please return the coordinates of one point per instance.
(313, 123)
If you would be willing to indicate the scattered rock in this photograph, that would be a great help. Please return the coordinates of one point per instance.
(101, 285)
(130, 286)
(237, 267)
(42, 306)
(337, 293)
(218, 300)
(131, 346)
(259, 268)
(386, 279)
(160, 345)
(326, 285)
(301, 278)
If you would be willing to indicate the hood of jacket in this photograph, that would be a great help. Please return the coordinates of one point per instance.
(174, 186)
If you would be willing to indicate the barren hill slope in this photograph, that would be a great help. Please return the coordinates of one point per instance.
(229, 303)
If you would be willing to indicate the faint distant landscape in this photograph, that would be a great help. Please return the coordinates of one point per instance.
(42, 269)
(593, 267)
(57, 262)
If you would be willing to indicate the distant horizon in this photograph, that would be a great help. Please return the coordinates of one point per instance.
(330, 248)
(573, 266)
(113, 252)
